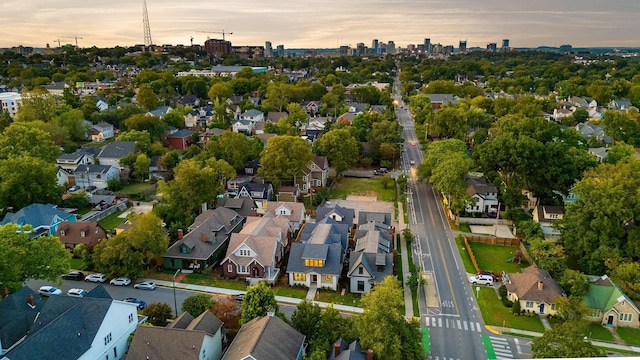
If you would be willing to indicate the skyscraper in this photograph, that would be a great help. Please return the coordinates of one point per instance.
(462, 47)
(268, 50)
(280, 50)
(427, 45)
(374, 46)
(492, 47)
(360, 49)
(391, 47)
(505, 44)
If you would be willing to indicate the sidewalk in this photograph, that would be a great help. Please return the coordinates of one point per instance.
(404, 253)
(229, 292)
(500, 330)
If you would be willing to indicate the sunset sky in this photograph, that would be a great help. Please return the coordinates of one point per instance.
(329, 23)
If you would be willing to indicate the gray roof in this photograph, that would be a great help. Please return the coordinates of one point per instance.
(99, 292)
(332, 263)
(347, 214)
(182, 133)
(368, 216)
(243, 206)
(16, 315)
(266, 338)
(117, 149)
(75, 156)
(57, 327)
(378, 265)
(348, 351)
(325, 232)
(36, 215)
(252, 113)
(154, 342)
(160, 111)
(443, 98)
(93, 169)
(373, 241)
(479, 186)
(215, 226)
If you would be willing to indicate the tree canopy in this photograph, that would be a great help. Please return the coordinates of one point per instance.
(284, 157)
(340, 148)
(257, 301)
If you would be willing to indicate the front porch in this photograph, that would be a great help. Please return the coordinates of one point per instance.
(270, 276)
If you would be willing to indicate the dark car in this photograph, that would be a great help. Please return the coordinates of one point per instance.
(74, 275)
(484, 272)
(141, 304)
(238, 297)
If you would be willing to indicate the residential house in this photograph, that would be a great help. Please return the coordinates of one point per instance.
(90, 327)
(601, 153)
(483, 194)
(236, 183)
(275, 116)
(582, 102)
(559, 114)
(234, 99)
(608, 305)
(294, 211)
(243, 126)
(588, 130)
(88, 175)
(439, 100)
(101, 131)
(345, 351)
(314, 175)
(621, 105)
(243, 206)
(207, 135)
(205, 242)
(56, 88)
(357, 108)
(339, 214)
(535, 289)
(10, 101)
(189, 100)
(87, 233)
(252, 115)
(346, 118)
(372, 258)
(255, 100)
(365, 217)
(101, 202)
(311, 107)
(184, 338)
(73, 160)
(288, 193)
(317, 259)
(201, 118)
(265, 138)
(160, 111)
(18, 311)
(113, 152)
(546, 215)
(261, 193)
(256, 252)
(251, 167)
(531, 200)
(266, 338)
(378, 108)
(180, 140)
(44, 218)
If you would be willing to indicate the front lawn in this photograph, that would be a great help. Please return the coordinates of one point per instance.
(464, 254)
(112, 221)
(365, 187)
(494, 257)
(290, 291)
(76, 264)
(599, 332)
(629, 335)
(214, 281)
(333, 297)
(494, 313)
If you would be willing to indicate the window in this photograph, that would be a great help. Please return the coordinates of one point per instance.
(229, 268)
(360, 285)
(360, 270)
(314, 262)
(299, 277)
(82, 233)
(625, 317)
(242, 269)
(245, 252)
(96, 230)
(327, 278)
(107, 339)
(529, 304)
(115, 352)
(553, 306)
(130, 318)
(62, 232)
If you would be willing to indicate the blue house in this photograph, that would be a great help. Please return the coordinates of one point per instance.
(44, 218)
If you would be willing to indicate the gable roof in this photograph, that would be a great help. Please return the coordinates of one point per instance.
(321, 162)
(371, 262)
(261, 235)
(73, 233)
(265, 338)
(274, 116)
(347, 214)
(331, 254)
(253, 187)
(351, 351)
(181, 134)
(16, 315)
(243, 206)
(371, 240)
(154, 342)
(296, 209)
(604, 294)
(93, 169)
(369, 216)
(525, 285)
(36, 215)
(117, 149)
(252, 113)
(478, 185)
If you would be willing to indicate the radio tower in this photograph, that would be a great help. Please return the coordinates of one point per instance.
(145, 23)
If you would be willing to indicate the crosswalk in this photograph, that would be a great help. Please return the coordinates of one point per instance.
(501, 348)
(439, 322)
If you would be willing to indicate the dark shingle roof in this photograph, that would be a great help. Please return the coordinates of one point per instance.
(152, 342)
(378, 265)
(266, 338)
(346, 214)
(348, 351)
(16, 315)
(332, 263)
(243, 206)
(180, 134)
(117, 149)
(368, 216)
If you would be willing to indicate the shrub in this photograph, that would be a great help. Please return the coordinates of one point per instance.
(516, 308)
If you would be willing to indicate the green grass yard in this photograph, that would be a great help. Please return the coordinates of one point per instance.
(367, 187)
(135, 188)
(494, 313)
(290, 291)
(464, 254)
(493, 257)
(598, 332)
(629, 335)
(204, 280)
(112, 221)
(333, 297)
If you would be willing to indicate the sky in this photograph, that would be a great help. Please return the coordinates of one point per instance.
(327, 23)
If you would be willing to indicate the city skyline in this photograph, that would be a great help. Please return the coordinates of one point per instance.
(295, 24)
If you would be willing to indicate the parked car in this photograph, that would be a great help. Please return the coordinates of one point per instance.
(77, 292)
(145, 285)
(141, 304)
(412, 162)
(481, 280)
(74, 188)
(91, 188)
(97, 277)
(49, 290)
(238, 297)
(74, 275)
(484, 272)
(121, 281)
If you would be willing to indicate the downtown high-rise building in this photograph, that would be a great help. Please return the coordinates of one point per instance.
(361, 49)
(268, 49)
(427, 45)
(375, 47)
(505, 44)
(280, 50)
(391, 47)
(462, 47)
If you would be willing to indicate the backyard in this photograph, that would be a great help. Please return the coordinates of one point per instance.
(362, 187)
(112, 221)
(494, 257)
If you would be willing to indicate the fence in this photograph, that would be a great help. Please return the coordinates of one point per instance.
(470, 252)
(494, 240)
(526, 255)
(483, 221)
(99, 215)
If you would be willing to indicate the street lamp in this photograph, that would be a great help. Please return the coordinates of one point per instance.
(175, 302)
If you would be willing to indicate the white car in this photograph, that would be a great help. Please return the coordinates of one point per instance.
(77, 292)
(145, 285)
(97, 277)
(121, 281)
(49, 290)
(481, 280)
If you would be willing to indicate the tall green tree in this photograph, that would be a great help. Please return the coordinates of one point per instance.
(29, 140)
(24, 258)
(152, 124)
(235, 148)
(278, 96)
(340, 147)
(197, 304)
(306, 319)
(141, 167)
(332, 326)
(73, 121)
(147, 98)
(564, 340)
(25, 180)
(284, 157)
(222, 114)
(220, 91)
(158, 313)
(37, 105)
(257, 301)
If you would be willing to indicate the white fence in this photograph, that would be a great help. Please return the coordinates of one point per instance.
(99, 215)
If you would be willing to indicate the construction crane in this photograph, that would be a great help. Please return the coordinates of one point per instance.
(223, 33)
(76, 37)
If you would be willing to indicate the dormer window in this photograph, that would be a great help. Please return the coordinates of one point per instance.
(245, 252)
(96, 231)
(62, 232)
(82, 233)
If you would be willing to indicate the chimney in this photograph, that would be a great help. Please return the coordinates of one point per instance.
(336, 349)
(369, 354)
(540, 285)
(203, 237)
(4, 292)
(180, 234)
(204, 206)
(271, 312)
(30, 301)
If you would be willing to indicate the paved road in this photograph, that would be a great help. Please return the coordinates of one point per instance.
(453, 322)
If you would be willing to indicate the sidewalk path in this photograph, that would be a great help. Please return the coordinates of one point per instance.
(229, 292)
(404, 253)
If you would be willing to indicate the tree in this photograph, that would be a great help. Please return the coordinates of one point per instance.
(228, 311)
(284, 157)
(622, 127)
(142, 139)
(570, 308)
(141, 167)
(382, 327)
(25, 180)
(627, 276)
(580, 115)
(306, 319)
(72, 121)
(516, 307)
(147, 236)
(574, 283)
(549, 256)
(147, 98)
(28, 139)
(151, 124)
(340, 148)
(88, 106)
(37, 105)
(24, 258)
(235, 148)
(115, 257)
(220, 91)
(77, 200)
(278, 95)
(197, 304)
(564, 340)
(257, 301)
(158, 313)
(222, 115)
(618, 152)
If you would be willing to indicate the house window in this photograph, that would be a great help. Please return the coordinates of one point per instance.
(62, 232)
(82, 233)
(96, 230)
(327, 278)
(314, 262)
(130, 318)
(98, 176)
(360, 270)
(553, 306)
(299, 277)
(245, 252)
(360, 286)
(229, 268)
(529, 304)
(107, 339)
(115, 353)
(242, 269)
(625, 317)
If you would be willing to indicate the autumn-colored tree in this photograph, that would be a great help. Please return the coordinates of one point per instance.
(227, 310)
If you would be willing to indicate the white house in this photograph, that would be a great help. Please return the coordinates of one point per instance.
(10, 101)
(483, 193)
(294, 211)
(252, 115)
(243, 126)
(101, 131)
